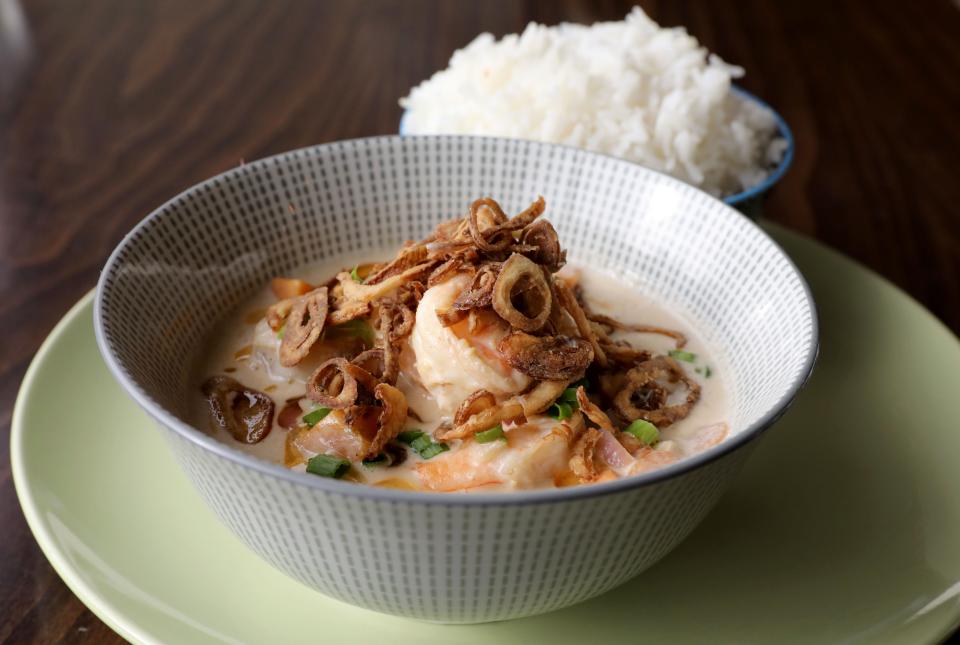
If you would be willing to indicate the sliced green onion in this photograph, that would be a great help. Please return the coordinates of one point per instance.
(644, 431)
(707, 371)
(313, 418)
(355, 274)
(494, 433)
(570, 396)
(328, 466)
(409, 436)
(383, 459)
(281, 331)
(421, 443)
(561, 411)
(680, 355)
(433, 450)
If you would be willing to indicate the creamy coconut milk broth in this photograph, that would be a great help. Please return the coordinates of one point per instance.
(501, 441)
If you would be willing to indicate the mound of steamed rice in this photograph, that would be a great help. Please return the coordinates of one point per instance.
(630, 89)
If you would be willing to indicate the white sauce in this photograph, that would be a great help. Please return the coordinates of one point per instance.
(244, 347)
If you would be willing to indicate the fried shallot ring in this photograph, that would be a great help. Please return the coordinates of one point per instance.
(552, 358)
(408, 258)
(544, 245)
(644, 377)
(392, 418)
(570, 303)
(245, 413)
(518, 274)
(679, 337)
(484, 420)
(347, 311)
(541, 396)
(592, 412)
(354, 291)
(304, 326)
(583, 463)
(335, 383)
(482, 237)
(474, 404)
(624, 354)
(371, 361)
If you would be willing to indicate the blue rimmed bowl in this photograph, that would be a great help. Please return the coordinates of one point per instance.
(437, 556)
(750, 201)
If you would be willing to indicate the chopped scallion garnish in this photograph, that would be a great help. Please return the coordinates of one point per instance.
(409, 436)
(494, 433)
(707, 371)
(355, 274)
(314, 417)
(560, 410)
(328, 466)
(281, 331)
(433, 450)
(570, 396)
(421, 443)
(681, 355)
(644, 431)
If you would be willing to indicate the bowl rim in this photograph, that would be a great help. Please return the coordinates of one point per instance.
(515, 497)
(735, 199)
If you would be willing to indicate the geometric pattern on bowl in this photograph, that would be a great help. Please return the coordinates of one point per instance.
(443, 557)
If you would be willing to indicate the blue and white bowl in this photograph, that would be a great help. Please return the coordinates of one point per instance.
(451, 557)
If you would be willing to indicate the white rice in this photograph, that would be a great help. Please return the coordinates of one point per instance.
(629, 89)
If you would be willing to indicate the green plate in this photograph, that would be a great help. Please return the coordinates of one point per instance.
(845, 524)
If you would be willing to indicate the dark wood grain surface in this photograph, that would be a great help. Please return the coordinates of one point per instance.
(109, 107)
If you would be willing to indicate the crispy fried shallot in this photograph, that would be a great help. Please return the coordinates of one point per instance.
(541, 396)
(521, 295)
(303, 327)
(335, 384)
(478, 295)
(245, 413)
(474, 404)
(570, 303)
(648, 386)
(483, 420)
(348, 311)
(487, 211)
(408, 258)
(354, 291)
(546, 357)
(542, 239)
(583, 463)
(392, 417)
(594, 413)
(613, 323)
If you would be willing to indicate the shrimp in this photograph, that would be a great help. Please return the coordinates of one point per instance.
(534, 454)
(453, 362)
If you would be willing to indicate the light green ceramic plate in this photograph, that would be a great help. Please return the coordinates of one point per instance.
(845, 524)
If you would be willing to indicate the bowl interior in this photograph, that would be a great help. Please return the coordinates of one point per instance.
(198, 256)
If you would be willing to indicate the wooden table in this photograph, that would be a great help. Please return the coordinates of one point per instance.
(109, 107)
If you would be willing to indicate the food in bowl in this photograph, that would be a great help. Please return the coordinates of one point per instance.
(630, 89)
(474, 360)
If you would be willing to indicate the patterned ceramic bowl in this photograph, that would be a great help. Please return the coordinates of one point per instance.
(450, 557)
